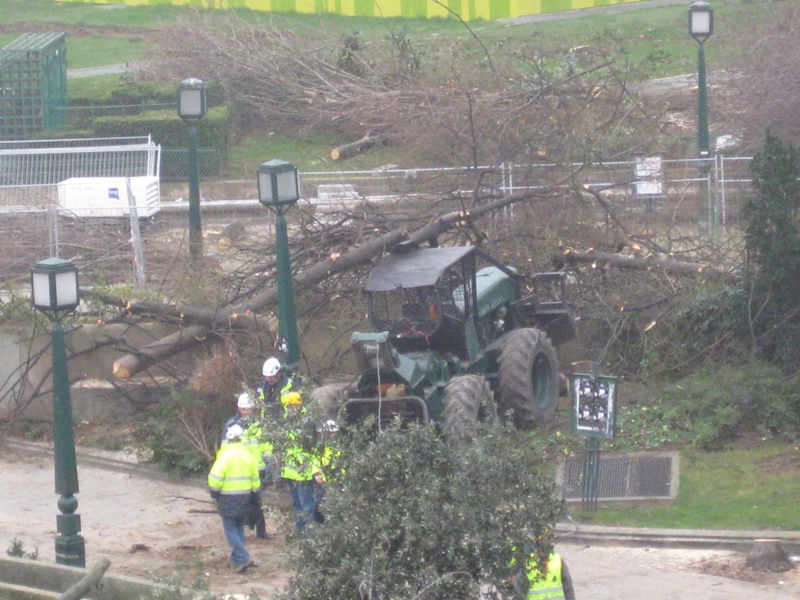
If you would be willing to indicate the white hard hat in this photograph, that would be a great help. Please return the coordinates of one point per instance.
(330, 425)
(272, 367)
(246, 400)
(235, 432)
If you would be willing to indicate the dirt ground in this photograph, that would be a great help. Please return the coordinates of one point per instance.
(154, 529)
(165, 530)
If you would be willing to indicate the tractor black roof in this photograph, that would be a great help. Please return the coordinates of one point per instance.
(415, 268)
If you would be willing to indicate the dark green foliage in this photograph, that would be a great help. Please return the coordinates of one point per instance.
(407, 56)
(713, 407)
(350, 59)
(410, 516)
(168, 129)
(183, 432)
(16, 549)
(772, 236)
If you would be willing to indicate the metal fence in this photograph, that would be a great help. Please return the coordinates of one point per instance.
(30, 171)
(643, 192)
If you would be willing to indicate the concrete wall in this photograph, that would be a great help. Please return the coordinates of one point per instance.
(93, 395)
(468, 10)
(37, 575)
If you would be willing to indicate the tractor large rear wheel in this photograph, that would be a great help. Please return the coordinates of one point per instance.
(467, 401)
(528, 386)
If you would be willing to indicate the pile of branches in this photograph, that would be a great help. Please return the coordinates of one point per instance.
(461, 110)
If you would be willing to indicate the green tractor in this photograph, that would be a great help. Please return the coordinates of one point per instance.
(455, 344)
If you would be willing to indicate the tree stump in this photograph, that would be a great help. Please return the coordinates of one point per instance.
(768, 555)
(230, 235)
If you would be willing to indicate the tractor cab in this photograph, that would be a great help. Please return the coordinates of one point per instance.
(424, 298)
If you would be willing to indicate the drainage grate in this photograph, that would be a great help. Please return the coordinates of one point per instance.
(635, 476)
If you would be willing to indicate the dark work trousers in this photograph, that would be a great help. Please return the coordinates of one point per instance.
(255, 517)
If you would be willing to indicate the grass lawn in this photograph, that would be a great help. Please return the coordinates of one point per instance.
(755, 488)
(655, 38)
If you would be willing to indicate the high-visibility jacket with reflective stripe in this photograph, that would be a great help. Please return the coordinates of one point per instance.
(297, 464)
(235, 472)
(549, 586)
(252, 442)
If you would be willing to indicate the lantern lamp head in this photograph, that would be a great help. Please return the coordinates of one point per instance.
(54, 286)
(191, 100)
(701, 21)
(278, 183)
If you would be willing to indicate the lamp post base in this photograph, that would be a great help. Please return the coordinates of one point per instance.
(70, 550)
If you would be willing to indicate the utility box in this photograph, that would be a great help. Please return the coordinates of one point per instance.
(33, 85)
(108, 196)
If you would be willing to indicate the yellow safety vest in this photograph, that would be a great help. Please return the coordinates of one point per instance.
(252, 442)
(282, 395)
(297, 464)
(235, 472)
(549, 586)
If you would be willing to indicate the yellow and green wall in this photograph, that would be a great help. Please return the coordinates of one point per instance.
(468, 9)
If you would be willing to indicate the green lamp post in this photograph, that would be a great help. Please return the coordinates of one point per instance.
(279, 190)
(192, 108)
(701, 26)
(54, 285)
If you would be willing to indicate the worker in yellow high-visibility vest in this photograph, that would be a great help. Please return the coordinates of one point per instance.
(556, 583)
(233, 482)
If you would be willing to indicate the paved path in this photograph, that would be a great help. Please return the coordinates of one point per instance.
(94, 71)
(119, 509)
(587, 12)
(605, 573)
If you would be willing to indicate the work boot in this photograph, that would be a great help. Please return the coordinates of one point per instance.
(241, 568)
(263, 535)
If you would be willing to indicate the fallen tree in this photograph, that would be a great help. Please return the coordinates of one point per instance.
(208, 321)
(608, 259)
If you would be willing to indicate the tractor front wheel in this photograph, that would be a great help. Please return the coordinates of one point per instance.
(467, 400)
(528, 386)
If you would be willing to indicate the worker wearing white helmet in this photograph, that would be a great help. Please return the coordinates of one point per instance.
(276, 385)
(245, 404)
(233, 483)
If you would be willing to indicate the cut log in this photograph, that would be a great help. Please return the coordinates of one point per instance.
(608, 259)
(353, 148)
(131, 364)
(229, 236)
(89, 581)
(768, 555)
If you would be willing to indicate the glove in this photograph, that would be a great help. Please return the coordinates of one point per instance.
(255, 499)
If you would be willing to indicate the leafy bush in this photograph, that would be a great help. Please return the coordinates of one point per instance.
(714, 407)
(182, 433)
(410, 515)
(168, 129)
(16, 549)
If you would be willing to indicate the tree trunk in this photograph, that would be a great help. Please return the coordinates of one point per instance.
(80, 589)
(353, 148)
(607, 259)
(768, 555)
(131, 364)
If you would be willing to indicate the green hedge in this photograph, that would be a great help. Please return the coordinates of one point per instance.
(168, 129)
(143, 92)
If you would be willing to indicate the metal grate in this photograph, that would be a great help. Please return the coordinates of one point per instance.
(33, 78)
(624, 477)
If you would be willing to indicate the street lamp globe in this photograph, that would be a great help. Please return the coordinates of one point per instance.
(191, 99)
(278, 183)
(54, 285)
(701, 21)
